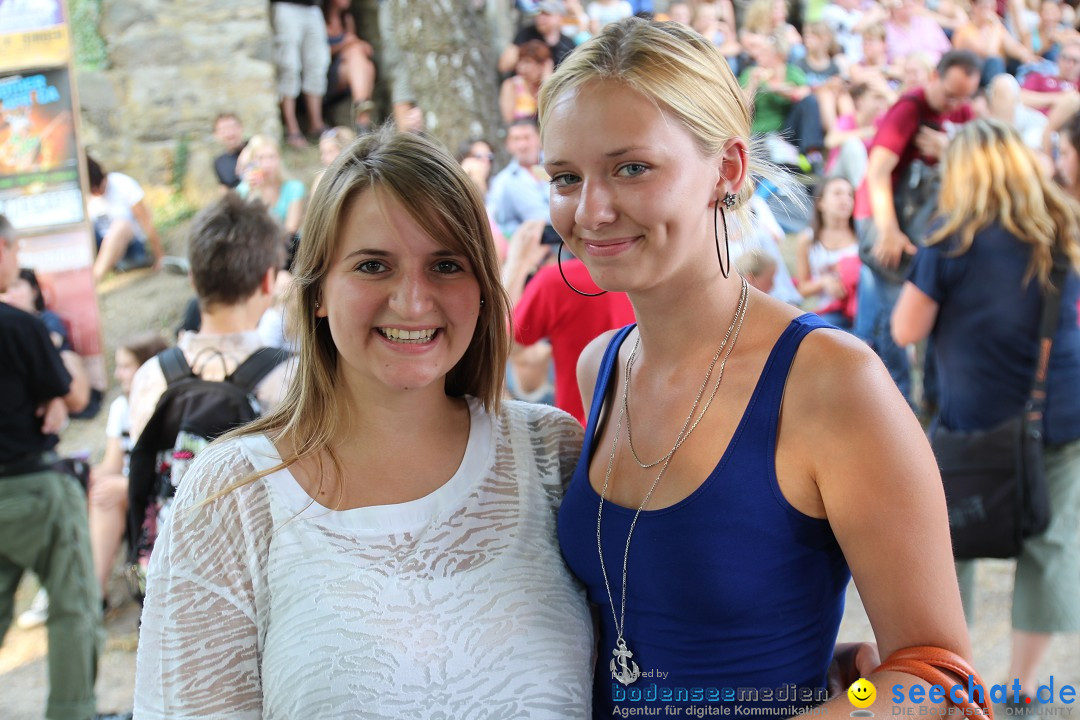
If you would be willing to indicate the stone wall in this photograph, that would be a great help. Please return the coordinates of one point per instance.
(171, 68)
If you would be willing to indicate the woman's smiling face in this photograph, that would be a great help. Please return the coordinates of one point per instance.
(402, 308)
(632, 194)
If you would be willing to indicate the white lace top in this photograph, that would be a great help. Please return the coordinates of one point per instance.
(457, 605)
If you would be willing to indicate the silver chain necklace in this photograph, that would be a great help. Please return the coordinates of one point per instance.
(622, 668)
(684, 434)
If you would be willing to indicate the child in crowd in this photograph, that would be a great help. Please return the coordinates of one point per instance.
(108, 493)
(827, 261)
(825, 68)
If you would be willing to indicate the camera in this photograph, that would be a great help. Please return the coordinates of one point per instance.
(550, 237)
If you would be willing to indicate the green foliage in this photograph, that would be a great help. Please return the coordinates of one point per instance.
(174, 211)
(89, 46)
(180, 164)
(176, 207)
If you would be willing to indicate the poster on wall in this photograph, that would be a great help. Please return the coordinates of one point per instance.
(33, 34)
(39, 159)
(30, 15)
(41, 183)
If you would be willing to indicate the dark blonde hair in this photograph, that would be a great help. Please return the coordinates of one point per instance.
(875, 31)
(438, 194)
(817, 218)
(822, 29)
(990, 176)
(682, 73)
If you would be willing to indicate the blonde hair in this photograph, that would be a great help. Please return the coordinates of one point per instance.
(758, 18)
(440, 197)
(340, 135)
(254, 145)
(875, 32)
(822, 29)
(682, 73)
(991, 176)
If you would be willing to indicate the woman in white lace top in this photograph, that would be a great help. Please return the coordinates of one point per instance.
(383, 545)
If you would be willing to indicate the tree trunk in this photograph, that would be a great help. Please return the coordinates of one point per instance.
(446, 52)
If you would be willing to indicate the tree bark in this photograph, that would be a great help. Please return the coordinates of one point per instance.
(446, 52)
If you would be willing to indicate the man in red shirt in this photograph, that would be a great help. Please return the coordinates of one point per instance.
(549, 309)
(917, 127)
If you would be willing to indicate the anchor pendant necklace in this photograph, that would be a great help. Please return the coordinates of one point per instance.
(623, 668)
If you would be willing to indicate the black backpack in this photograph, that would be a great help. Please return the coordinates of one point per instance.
(190, 414)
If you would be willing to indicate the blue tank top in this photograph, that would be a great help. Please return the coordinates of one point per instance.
(734, 597)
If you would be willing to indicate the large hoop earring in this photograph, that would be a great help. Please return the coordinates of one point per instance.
(717, 210)
(558, 256)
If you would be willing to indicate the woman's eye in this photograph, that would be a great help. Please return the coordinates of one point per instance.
(370, 267)
(564, 180)
(631, 170)
(447, 267)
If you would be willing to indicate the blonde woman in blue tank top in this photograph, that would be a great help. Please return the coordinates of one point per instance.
(717, 542)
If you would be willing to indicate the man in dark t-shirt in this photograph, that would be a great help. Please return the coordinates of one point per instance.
(48, 532)
(546, 27)
(229, 131)
(915, 128)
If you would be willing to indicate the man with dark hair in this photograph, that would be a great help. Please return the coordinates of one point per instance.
(916, 128)
(546, 27)
(122, 222)
(229, 131)
(43, 524)
(519, 192)
(235, 250)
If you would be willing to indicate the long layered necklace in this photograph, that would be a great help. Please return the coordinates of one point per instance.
(622, 667)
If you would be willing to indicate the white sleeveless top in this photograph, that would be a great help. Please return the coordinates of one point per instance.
(263, 603)
(822, 261)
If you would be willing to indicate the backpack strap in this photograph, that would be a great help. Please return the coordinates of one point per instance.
(258, 365)
(174, 365)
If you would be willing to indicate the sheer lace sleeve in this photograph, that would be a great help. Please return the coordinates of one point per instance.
(571, 437)
(199, 647)
(557, 438)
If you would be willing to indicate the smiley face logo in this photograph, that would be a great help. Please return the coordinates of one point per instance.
(862, 693)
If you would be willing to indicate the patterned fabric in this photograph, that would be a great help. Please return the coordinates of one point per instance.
(263, 603)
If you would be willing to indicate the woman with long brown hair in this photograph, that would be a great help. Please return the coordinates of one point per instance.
(383, 543)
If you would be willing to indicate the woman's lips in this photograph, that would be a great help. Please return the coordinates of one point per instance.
(608, 248)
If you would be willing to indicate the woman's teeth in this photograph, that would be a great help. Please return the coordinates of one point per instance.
(408, 336)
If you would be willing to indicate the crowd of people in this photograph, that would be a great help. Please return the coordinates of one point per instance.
(813, 183)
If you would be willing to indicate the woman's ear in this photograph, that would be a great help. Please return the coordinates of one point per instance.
(734, 163)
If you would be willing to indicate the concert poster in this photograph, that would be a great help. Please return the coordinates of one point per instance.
(39, 159)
